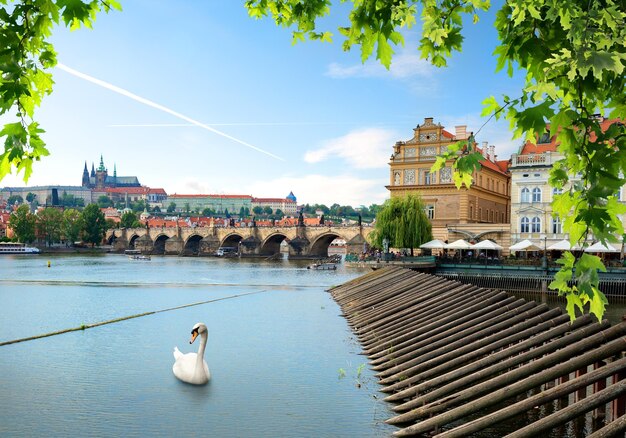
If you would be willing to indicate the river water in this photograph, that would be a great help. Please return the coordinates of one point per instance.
(283, 362)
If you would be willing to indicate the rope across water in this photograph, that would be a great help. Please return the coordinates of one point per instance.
(124, 318)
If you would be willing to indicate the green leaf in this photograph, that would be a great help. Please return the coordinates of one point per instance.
(384, 52)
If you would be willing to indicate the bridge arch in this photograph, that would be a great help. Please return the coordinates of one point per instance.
(111, 240)
(131, 241)
(319, 247)
(192, 245)
(271, 244)
(231, 240)
(159, 244)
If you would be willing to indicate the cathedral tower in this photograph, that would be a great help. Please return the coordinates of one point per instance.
(85, 176)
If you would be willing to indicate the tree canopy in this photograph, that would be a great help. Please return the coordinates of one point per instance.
(22, 222)
(94, 225)
(403, 222)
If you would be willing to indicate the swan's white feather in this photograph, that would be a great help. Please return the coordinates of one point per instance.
(189, 367)
(177, 353)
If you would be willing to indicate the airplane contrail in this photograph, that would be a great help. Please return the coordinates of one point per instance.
(175, 125)
(159, 107)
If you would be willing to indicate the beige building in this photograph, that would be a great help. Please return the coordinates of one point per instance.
(286, 205)
(487, 201)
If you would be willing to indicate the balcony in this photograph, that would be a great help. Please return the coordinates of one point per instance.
(531, 160)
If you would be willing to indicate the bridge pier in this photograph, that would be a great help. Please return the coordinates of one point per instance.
(174, 246)
(249, 247)
(357, 245)
(144, 244)
(208, 245)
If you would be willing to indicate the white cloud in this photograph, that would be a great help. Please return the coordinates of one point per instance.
(367, 148)
(190, 186)
(404, 65)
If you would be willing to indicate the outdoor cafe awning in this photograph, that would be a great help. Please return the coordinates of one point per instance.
(487, 244)
(524, 245)
(563, 245)
(434, 244)
(459, 244)
(600, 247)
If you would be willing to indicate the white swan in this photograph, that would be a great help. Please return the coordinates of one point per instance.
(191, 367)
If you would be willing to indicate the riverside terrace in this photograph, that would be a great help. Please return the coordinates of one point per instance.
(530, 275)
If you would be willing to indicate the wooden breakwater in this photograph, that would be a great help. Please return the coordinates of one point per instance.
(457, 359)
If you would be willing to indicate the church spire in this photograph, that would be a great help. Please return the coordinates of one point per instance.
(101, 168)
(93, 170)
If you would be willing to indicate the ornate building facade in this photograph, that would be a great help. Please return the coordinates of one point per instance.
(487, 201)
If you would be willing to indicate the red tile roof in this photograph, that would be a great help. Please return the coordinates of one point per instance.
(212, 196)
(273, 200)
(532, 148)
(447, 134)
(133, 190)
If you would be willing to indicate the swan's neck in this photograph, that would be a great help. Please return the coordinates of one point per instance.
(202, 347)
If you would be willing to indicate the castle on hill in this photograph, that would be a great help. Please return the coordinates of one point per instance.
(100, 179)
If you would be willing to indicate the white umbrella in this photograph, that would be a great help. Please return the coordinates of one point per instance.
(434, 244)
(562, 245)
(600, 247)
(524, 245)
(487, 244)
(459, 244)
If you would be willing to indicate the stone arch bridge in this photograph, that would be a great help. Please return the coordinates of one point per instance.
(303, 242)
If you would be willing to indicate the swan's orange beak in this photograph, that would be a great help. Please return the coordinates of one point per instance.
(194, 335)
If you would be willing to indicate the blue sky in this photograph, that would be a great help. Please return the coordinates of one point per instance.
(307, 118)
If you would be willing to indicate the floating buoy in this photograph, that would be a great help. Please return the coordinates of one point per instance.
(48, 263)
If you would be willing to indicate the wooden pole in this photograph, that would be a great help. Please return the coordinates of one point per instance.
(576, 360)
(612, 429)
(516, 338)
(566, 414)
(544, 397)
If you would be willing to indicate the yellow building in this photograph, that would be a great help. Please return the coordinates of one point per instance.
(487, 201)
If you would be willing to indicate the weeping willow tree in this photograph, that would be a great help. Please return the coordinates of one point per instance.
(402, 221)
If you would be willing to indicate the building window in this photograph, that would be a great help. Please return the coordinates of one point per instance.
(429, 178)
(618, 195)
(535, 225)
(430, 211)
(545, 138)
(556, 225)
(556, 191)
(409, 177)
(524, 225)
(536, 194)
(471, 215)
(525, 197)
(445, 176)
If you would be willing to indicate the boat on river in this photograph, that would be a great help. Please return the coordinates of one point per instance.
(135, 254)
(323, 266)
(17, 248)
